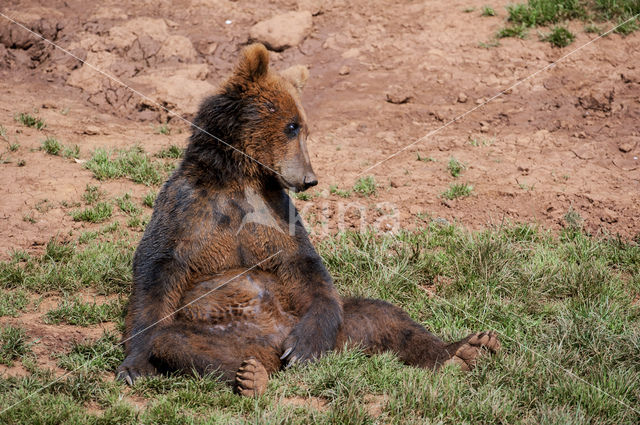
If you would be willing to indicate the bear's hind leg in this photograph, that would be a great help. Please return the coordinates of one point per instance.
(240, 360)
(378, 326)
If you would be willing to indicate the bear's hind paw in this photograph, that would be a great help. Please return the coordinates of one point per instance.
(472, 347)
(251, 378)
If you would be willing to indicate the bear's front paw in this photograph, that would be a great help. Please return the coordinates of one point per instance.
(304, 344)
(133, 368)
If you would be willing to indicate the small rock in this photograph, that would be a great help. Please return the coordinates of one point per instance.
(415, 209)
(626, 164)
(584, 151)
(398, 95)
(283, 31)
(351, 53)
(628, 145)
(609, 216)
(484, 127)
(462, 98)
(344, 70)
(91, 130)
(313, 6)
(179, 47)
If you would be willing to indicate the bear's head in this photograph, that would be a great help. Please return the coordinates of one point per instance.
(258, 125)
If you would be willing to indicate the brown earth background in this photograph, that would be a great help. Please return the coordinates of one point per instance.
(383, 75)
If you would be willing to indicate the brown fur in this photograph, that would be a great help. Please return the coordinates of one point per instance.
(189, 310)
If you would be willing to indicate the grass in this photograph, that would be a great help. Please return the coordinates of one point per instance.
(96, 214)
(458, 190)
(71, 152)
(425, 158)
(13, 344)
(559, 36)
(365, 186)
(126, 205)
(303, 196)
(31, 121)
(92, 194)
(547, 12)
(104, 354)
(172, 151)
(519, 31)
(51, 145)
(133, 163)
(75, 312)
(488, 11)
(163, 129)
(13, 302)
(567, 297)
(149, 199)
(455, 167)
(335, 190)
(102, 265)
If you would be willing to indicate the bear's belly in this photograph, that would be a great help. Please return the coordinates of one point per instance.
(231, 304)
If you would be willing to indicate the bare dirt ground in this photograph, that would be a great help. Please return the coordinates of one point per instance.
(383, 75)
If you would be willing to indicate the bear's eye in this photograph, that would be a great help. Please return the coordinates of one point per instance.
(292, 129)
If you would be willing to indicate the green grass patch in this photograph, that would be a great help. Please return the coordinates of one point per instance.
(51, 145)
(335, 190)
(559, 36)
(103, 354)
(365, 186)
(13, 344)
(71, 152)
(133, 163)
(92, 194)
(163, 129)
(172, 151)
(425, 158)
(96, 214)
(458, 190)
(536, 13)
(303, 196)
(126, 205)
(149, 199)
(104, 266)
(519, 31)
(488, 11)
(13, 302)
(29, 120)
(75, 312)
(455, 167)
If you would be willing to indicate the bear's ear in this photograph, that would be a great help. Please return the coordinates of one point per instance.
(254, 63)
(297, 75)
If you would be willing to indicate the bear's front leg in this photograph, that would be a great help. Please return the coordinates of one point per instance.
(319, 308)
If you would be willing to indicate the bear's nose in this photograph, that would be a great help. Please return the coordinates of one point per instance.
(310, 180)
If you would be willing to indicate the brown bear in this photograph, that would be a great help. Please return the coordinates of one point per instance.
(225, 277)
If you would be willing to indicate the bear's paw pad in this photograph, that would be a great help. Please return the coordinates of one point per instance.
(251, 378)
